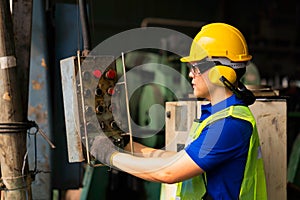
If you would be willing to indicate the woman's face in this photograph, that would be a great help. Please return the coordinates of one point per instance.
(199, 83)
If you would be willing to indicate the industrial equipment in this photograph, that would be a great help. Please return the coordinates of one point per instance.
(89, 84)
(95, 101)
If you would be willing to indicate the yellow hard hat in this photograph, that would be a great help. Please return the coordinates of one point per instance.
(218, 40)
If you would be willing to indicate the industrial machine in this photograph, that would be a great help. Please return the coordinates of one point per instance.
(95, 96)
(91, 96)
(88, 87)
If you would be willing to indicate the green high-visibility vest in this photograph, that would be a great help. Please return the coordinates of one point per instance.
(254, 182)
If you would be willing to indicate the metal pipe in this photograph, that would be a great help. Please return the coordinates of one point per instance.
(172, 22)
(127, 104)
(85, 28)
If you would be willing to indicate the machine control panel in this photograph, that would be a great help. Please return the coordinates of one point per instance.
(92, 103)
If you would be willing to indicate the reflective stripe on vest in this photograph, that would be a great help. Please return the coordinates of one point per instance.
(253, 186)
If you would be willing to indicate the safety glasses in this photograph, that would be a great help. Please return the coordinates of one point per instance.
(199, 67)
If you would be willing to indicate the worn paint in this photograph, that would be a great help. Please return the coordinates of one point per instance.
(36, 85)
(275, 123)
(43, 63)
(38, 106)
(6, 96)
(38, 113)
(74, 144)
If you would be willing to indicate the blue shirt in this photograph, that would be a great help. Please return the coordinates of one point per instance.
(221, 151)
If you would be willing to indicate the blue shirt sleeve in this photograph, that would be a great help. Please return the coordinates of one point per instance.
(221, 142)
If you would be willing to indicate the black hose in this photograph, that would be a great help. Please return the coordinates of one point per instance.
(240, 91)
(85, 27)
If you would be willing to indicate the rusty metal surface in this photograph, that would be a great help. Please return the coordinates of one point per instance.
(71, 109)
(39, 106)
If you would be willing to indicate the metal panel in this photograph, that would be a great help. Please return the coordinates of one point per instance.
(81, 97)
(39, 105)
(270, 115)
(71, 109)
(179, 118)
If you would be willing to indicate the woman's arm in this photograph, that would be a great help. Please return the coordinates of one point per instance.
(148, 152)
(165, 169)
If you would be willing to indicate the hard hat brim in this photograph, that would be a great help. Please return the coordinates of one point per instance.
(198, 55)
(186, 59)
